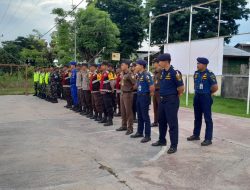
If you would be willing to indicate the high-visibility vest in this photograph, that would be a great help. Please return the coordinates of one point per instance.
(41, 78)
(36, 76)
(47, 78)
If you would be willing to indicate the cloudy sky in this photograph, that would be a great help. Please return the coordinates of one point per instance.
(19, 17)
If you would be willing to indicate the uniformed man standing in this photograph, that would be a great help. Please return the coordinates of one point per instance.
(128, 82)
(66, 86)
(53, 85)
(145, 89)
(36, 81)
(156, 98)
(205, 84)
(86, 92)
(118, 91)
(132, 69)
(73, 85)
(96, 97)
(107, 85)
(79, 88)
(171, 87)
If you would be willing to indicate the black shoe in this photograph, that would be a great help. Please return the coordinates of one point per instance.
(104, 120)
(109, 123)
(154, 125)
(206, 143)
(93, 117)
(89, 115)
(98, 119)
(122, 129)
(158, 143)
(145, 140)
(172, 150)
(129, 133)
(193, 138)
(136, 135)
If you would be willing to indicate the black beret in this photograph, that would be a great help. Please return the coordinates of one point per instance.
(202, 60)
(164, 57)
(141, 62)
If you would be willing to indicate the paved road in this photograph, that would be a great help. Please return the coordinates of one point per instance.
(45, 146)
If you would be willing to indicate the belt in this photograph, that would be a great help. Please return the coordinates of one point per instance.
(168, 96)
(143, 94)
(127, 91)
(66, 86)
(157, 90)
(94, 92)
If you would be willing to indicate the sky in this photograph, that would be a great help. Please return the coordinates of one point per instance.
(20, 17)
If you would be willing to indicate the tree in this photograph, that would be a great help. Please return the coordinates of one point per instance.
(62, 38)
(127, 15)
(95, 30)
(204, 22)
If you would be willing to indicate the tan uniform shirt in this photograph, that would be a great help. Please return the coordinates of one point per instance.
(85, 80)
(128, 81)
(157, 76)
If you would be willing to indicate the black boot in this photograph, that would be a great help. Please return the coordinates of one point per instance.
(104, 120)
(99, 117)
(90, 114)
(109, 122)
(94, 116)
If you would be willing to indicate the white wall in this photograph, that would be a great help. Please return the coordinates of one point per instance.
(209, 48)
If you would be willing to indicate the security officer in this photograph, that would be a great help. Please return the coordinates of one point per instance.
(118, 91)
(171, 87)
(73, 85)
(156, 98)
(205, 84)
(128, 82)
(145, 89)
(96, 97)
(47, 83)
(36, 81)
(66, 86)
(107, 85)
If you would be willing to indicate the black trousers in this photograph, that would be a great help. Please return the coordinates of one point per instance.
(108, 104)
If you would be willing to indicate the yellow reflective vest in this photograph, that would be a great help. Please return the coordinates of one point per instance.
(41, 78)
(47, 75)
(36, 76)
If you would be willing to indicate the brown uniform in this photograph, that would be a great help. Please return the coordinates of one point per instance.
(156, 98)
(128, 81)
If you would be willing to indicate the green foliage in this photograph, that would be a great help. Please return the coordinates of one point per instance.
(95, 30)
(128, 16)
(204, 22)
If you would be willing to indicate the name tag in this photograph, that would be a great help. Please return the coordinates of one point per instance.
(201, 86)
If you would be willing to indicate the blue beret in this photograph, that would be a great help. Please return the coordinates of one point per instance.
(202, 60)
(73, 63)
(164, 57)
(141, 62)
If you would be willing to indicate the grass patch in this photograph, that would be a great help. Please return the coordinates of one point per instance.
(227, 106)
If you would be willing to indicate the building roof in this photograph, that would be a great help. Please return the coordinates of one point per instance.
(246, 44)
(230, 51)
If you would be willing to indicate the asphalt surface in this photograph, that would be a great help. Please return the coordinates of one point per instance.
(45, 146)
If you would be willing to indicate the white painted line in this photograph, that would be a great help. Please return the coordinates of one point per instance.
(157, 156)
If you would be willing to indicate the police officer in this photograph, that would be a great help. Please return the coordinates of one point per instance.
(107, 85)
(156, 98)
(171, 87)
(145, 89)
(73, 87)
(128, 82)
(205, 84)
(86, 92)
(79, 87)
